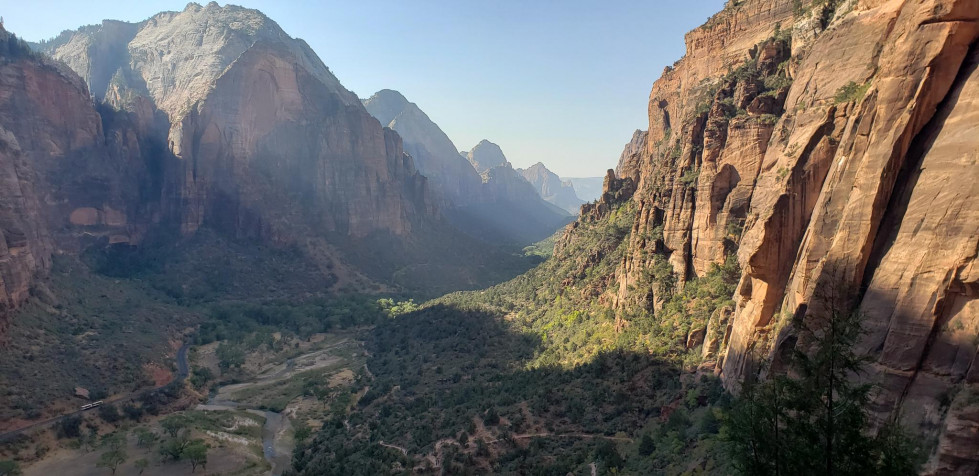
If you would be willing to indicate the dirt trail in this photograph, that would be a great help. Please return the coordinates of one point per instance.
(402, 450)
(567, 435)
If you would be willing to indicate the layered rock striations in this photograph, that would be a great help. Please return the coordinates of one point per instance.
(832, 146)
(551, 188)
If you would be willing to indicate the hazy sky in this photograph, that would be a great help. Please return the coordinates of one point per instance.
(561, 82)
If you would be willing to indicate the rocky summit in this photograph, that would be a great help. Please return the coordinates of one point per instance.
(552, 188)
(247, 112)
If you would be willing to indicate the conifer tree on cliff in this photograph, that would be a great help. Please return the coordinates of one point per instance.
(813, 419)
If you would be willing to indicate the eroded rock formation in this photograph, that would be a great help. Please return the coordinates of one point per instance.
(832, 146)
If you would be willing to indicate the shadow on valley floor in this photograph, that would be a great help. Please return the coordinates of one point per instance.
(110, 320)
(453, 389)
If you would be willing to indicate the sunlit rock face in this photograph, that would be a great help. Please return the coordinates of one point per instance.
(832, 146)
(264, 140)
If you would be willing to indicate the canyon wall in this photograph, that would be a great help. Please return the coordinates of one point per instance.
(262, 140)
(833, 146)
(67, 179)
(207, 117)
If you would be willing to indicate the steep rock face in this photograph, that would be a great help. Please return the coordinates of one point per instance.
(69, 174)
(265, 141)
(272, 151)
(451, 176)
(921, 302)
(551, 188)
(25, 249)
(629, 160)
(832, 146)
(814, 231)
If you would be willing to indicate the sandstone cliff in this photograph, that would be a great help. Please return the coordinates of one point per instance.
(68, 177)
(832, 145)
(551, 188)
(265, 141)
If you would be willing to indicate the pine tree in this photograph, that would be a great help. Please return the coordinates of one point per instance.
(813, 419)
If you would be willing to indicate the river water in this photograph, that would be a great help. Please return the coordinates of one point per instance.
(277, 442)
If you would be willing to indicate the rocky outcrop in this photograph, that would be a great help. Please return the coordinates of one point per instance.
(551, 188)
(832, 146)
(69, 175)
(631, 157)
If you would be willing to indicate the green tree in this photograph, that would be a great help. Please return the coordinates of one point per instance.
(301, 431)
(646, 445)
(196, 453)
(608, 455)
(173, 448)
(816, 421)
(144, 437)
(109, 413)
(9, 468)
(229, 356)
(69, 427)
(200, 376)
(113, 441)
(133, 412)
(112, 459)
(173, 425)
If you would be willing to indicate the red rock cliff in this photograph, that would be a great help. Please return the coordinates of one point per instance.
(831, 145)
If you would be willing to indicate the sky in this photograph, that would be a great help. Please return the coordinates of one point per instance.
(560, 82)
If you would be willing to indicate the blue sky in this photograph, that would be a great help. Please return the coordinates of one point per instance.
(561, 82)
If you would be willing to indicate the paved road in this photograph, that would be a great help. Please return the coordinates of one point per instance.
(182, 371)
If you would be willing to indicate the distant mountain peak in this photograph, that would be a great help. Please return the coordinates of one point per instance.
(551, 188)
(386, 105)
(487, 155)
